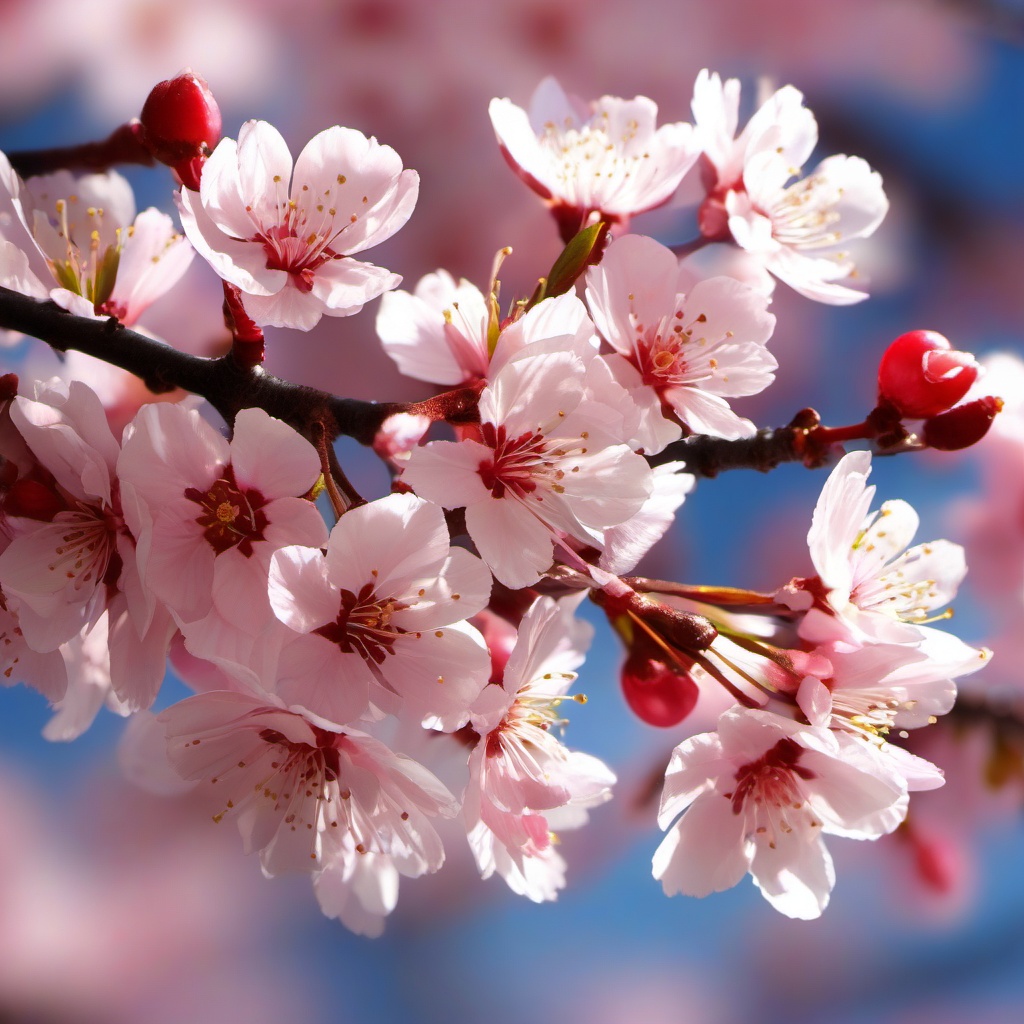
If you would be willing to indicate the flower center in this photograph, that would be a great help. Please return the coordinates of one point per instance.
(767, 788)
(588, 160)
(298, 780)
(805, 216)
(87, 270)
(673, 351)
(318, 764)
(514, 463)
(230, 517)
(364, 625)
(532, 709)
(521, 464)
(86, 549)
(300, 240)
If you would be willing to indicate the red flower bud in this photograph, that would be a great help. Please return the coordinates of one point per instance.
(31, 499)
(963, 426)
(937, 863)
(656, 693)
(921, 374)
(713, 219)
(180, 119)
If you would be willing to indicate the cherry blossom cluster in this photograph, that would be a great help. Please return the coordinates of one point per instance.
(828, 672)
(377, 679)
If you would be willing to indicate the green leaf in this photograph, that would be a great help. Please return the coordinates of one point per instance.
(582, 251)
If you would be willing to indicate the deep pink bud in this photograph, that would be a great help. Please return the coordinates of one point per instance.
(32, 499)
(713, 219)
(963, 426)
(656, 693)
(937, 863)
(180, 119)
(921, 374)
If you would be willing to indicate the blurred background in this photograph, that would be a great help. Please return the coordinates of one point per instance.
(118, 907)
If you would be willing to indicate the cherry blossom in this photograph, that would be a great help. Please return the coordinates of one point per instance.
(680, 341)
(758, 796)
(105, 260)
(521, 774)
(782, 124)
(869, 580)
(871, 692)
(883, 687)
(72, 557)
(209, 513)
(380, 617)
(798, 228)
(297, 784)
(442, 332)
(349, 681)
(550, 461)
(285, 233)
(438, 332)
(606, 158)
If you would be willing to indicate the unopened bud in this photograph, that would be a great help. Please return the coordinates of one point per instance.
(181, 121)
(713, 219)
(677, 630)
(655, 692)
(583, 250)
(683, 631)
(922, 375)
(30, 499)
(938, 864)
(399, 435)
(963, 426)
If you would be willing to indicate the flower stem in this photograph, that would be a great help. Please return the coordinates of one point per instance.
(124, 145)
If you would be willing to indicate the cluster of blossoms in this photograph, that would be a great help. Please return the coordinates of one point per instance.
(843, 661)
(358, 683)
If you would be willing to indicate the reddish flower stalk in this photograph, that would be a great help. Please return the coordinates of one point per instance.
(123, 145)
(247, 346)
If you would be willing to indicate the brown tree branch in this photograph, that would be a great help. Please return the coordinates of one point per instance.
(231, 384)
(226, 383)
